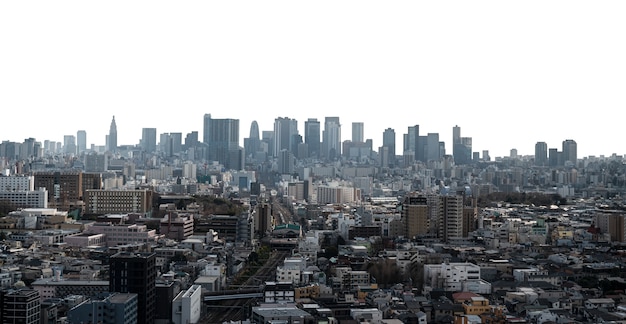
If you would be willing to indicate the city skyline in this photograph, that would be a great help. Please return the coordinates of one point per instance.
(509, 74)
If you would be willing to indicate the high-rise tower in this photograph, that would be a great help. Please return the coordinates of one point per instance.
(148, 139)
(222, 138)
(312, 136)
(389, 141)
(569, 151)
(541, 154)
(285, 132)
(332, 138)
(357, 132)
(252, 144)
(112, 138)
(411, 141)
(461, 147)
(81, 139)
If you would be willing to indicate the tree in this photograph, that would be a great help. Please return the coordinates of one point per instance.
(385, 271)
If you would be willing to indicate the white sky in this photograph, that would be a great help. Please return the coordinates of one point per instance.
(509, 73)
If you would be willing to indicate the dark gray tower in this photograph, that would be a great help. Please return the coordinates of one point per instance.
(112, 138)
(312, 138)
(570, 151)
(541, 154)
(389, 141)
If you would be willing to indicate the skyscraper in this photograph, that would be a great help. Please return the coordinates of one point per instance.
(357, 132)
(285, 130)
(541, 154)
(569, 151)
(148, 139)
(433, 147)
(389, 141)
(81, 139)
(112, 138)
(461, 147)
(69, 144)
(252, 144)
(411, 141)
(222, 138)
(131, 272)
(332, 138)
(312, 136)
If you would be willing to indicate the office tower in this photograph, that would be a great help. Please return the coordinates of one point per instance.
(312, 136)
(286, 162)
(456, 134)
(553, 157)
(81, 139)
(112, 137)
(461, 147)
(357, 132)
(383, 156)
(21, 306)
(148, 140)
(267, 142)
(411, 142)
(206, 125)
(486, 156)
(191, 142)
(285, 130)
(389, 141)
(415, 216)
(27, 149)
(165, 144)
(331, 141)
(513, 154)
(112, 308)
(569, 152)
(132, 272)
(69, 144)
(222, 138)
(433, 147)
(252, 144)
(177, 143)
(541, 154)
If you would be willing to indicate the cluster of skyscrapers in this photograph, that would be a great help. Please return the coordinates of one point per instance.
(320, 141)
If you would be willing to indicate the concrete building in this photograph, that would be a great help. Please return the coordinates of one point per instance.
(112, 308)
(119, 201)
(17, 183)
(56, 287)
(21, 306)
(455, 277)
(26, 199)
(124, 234)
(187, 306)
(135, 273)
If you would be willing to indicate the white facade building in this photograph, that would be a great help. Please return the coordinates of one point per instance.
(454, 277)
(17, 183)
(124, 234)
(30, 199)
(187, 306)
